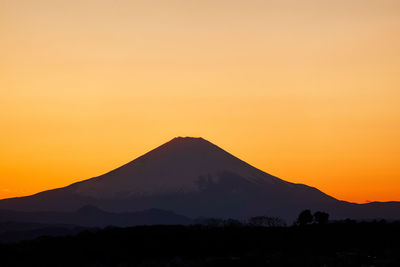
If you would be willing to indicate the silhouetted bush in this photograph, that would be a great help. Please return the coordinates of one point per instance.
(232, 223)
(212, 222)
(266, 221)
(305, 217)
(321, 217)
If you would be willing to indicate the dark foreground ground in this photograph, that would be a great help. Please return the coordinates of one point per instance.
(334, 244)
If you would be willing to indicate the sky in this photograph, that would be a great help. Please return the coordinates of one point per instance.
(306, 90)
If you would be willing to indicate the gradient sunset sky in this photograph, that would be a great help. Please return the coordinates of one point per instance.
(308, 91)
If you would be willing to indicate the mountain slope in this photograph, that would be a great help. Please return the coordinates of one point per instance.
(193, 177)
(181, 165)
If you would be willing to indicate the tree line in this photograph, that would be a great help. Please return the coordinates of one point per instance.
(305, 217)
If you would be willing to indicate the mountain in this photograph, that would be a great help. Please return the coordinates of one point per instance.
(196, 178)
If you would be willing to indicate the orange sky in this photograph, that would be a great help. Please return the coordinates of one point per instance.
(308, 90)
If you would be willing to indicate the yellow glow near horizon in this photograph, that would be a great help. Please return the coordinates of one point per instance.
(308, 90)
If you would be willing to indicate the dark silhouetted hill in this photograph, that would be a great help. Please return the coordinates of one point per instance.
(90, 216)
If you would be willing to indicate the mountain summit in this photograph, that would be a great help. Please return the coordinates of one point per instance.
(195, 178)
(182, 165)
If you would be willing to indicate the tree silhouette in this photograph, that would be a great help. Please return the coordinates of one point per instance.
(232, 223)
(321, 217)
(213, 222)
(266, 221)
(305, 217)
